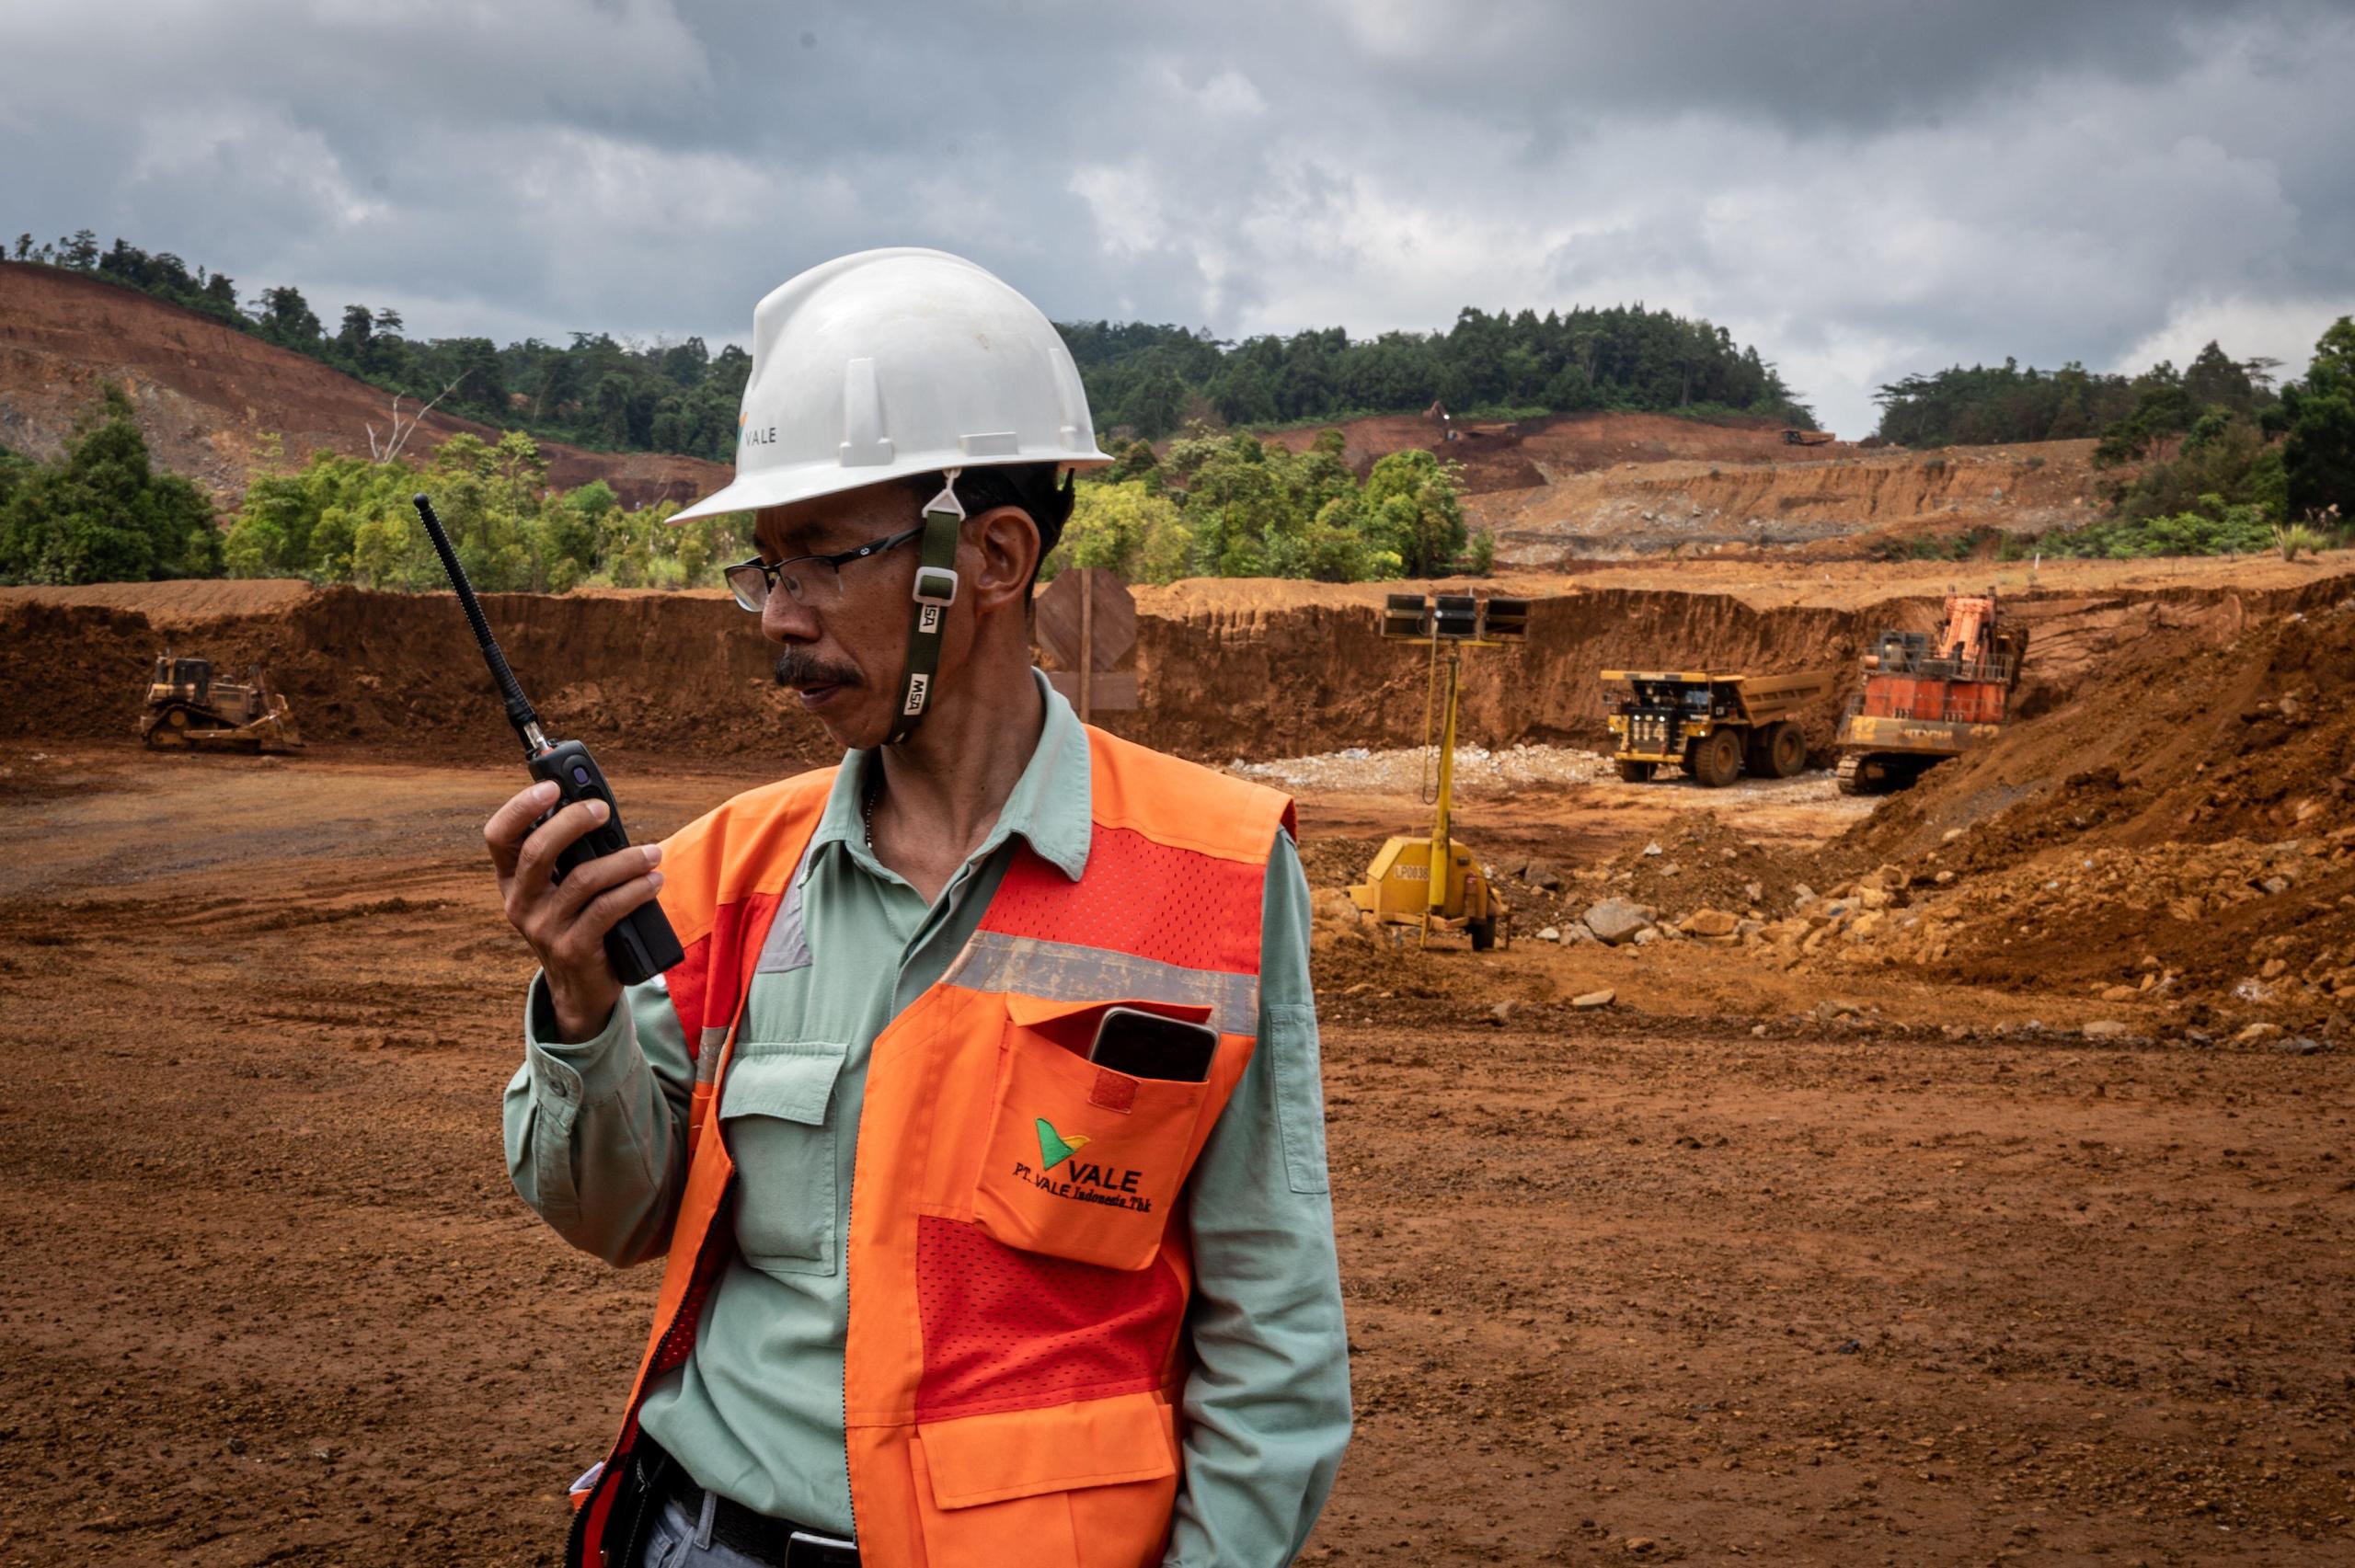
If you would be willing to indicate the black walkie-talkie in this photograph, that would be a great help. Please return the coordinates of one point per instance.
(641, 945)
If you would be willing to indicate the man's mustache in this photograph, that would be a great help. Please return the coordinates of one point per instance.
(797, 667)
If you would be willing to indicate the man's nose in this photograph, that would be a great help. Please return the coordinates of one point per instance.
(784, 619)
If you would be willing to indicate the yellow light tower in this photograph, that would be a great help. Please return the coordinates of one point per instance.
(1435, 883)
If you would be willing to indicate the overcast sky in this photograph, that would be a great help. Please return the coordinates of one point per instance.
(1860, 188)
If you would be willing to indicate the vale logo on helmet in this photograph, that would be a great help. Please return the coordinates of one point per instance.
(1061, 1173)
(748, 434)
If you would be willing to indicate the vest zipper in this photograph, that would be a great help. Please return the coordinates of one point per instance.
(850, 1493)
(577, 1544)
(576, 1538)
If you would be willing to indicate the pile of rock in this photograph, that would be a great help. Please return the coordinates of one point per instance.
(1849, 920)
(1705, 863)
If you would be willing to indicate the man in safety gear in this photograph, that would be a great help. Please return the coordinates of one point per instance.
(938, 1288)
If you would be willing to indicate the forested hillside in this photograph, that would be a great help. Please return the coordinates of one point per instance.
(603, 393)
(1987, 407)
(1625, 358)
(2205, 458)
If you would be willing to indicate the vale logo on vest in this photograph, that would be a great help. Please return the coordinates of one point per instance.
(1083, 1181)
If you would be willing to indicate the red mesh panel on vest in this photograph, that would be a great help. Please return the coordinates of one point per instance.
(686, 981)
(1173, 906)
(1010, 1330)
(706, 986)
(711, 1261)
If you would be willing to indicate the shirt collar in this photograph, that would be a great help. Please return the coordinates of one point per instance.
(1048, 808)
(1052, 803)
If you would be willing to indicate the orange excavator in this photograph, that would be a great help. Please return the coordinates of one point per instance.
(1928, 697)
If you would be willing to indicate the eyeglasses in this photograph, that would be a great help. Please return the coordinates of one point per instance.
(807, 579)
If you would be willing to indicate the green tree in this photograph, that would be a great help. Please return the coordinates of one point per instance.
(1231, 505)
(2332, 372)
(2162, 408)
(389, 551)
(2222, 455)
(521, 471)
(1127, 527)
(1135, 460)
(288, 320)
(2318, 416)
(1959, 407)
(2319, 458)
(1157, 405)
(101, 513)
(1339, 546)
(357, 336)
(14, 470)
(1416, 510)
(612, 405)
(2213, 380)
(342, 519)
(481, 378)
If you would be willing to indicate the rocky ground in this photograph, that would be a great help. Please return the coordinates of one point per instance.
(1404, 770)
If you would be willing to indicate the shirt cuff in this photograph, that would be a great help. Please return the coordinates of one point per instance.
(576, 1075)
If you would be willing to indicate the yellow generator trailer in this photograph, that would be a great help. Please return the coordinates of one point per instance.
(1716, 726)
(1400, 888)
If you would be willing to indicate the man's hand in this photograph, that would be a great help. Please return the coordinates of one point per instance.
(566, 922)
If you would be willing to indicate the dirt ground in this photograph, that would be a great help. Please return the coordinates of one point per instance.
(1569, 489)
(1496, 454)
(1741, 1265)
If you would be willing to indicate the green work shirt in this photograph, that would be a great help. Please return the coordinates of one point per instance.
(596, 1143)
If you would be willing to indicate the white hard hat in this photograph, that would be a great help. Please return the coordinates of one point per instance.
(897, 362)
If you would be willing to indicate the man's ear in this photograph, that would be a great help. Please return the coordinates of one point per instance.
(1005, 544)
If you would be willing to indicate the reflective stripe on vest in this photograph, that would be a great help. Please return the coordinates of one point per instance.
(1018, 1264)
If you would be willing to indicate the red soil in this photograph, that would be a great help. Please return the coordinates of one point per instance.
(206, 393)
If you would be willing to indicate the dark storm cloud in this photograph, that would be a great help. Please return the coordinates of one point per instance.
(1861, 188)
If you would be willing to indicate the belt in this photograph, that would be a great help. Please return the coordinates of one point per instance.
(762, 1536)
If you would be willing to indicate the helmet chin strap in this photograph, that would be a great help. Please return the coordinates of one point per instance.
(935, 590)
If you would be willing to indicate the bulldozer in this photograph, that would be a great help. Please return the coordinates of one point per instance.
(1435, 883)
(1928, 698)
(188, 710)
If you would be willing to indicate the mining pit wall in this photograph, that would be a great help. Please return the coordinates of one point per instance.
(1223, 674)
(1621, 513)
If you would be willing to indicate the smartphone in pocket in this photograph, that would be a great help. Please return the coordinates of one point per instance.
(1146, 1045)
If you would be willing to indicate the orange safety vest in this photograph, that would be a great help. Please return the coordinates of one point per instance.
(1018, 1270)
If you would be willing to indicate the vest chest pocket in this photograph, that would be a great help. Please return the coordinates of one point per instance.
(777, 1112)
(1084, 1162)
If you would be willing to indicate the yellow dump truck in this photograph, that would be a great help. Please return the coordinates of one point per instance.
(1716, 726)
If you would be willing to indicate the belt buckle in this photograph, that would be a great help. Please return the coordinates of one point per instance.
(823, 1548)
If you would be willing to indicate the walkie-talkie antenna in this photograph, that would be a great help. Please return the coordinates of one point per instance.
(519, 707)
